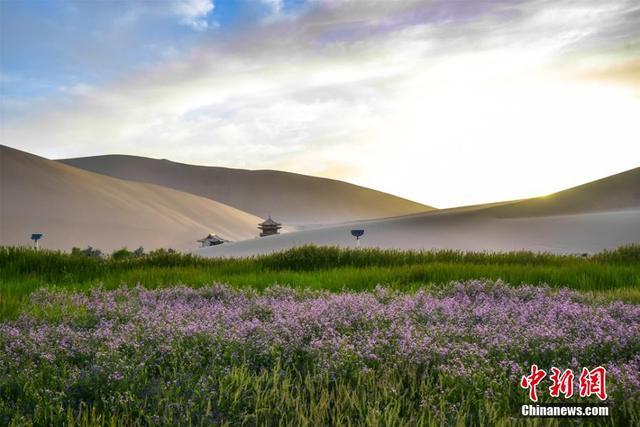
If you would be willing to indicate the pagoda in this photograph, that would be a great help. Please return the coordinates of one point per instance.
(269, 227)
(212, 240)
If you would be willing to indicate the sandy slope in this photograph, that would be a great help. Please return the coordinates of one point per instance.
(589, 218)
(73, 207)
(290, 198)
(618, 191)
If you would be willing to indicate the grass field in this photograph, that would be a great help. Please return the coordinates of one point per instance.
(127, 340)
(611, 274)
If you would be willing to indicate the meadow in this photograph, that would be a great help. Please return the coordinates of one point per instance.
(311, 336)
(609, 274)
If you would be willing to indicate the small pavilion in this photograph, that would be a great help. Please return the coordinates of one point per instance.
(212, 240)
(269, 227)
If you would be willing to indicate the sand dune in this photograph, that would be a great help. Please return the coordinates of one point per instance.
(73, 207)
(618, 191)
(599, 215)
(290, 198)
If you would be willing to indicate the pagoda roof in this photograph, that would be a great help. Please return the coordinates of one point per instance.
(271, 222)
(212, 237)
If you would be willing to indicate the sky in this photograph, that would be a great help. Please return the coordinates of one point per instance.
(445, 102)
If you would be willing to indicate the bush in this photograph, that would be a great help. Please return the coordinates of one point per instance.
(629, 254)
(88, 252)
(122, 254)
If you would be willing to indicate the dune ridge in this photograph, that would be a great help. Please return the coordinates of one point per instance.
(619, 191)
(603, 214)
(290, 198)
(74, 207)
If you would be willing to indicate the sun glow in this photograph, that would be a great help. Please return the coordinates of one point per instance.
(530, 133)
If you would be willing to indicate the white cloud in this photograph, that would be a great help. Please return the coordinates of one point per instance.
(394, 95)
(193, 12)
(275, 5)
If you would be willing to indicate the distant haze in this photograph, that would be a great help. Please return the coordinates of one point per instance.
(446, 103)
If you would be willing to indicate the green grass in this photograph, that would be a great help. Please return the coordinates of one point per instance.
(612, 274)
(286, 395)
(401, 396)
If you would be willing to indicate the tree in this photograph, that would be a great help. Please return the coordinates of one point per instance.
(122, 254)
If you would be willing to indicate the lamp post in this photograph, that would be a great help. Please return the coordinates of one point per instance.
(357, 234)
(35, 237)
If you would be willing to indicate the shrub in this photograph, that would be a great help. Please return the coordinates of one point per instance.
(122, 254)
(88, 252)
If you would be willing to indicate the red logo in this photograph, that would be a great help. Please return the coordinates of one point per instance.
(532, 381)
(591, 382)
(562, 383)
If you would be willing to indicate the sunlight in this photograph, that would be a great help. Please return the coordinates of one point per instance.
(534, 134)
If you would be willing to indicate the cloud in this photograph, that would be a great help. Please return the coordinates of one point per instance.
(193, 12)
(387, 94)
(617, 68)
(276, 6)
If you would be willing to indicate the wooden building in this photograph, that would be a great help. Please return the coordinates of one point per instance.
(269, 227)
(212, 240)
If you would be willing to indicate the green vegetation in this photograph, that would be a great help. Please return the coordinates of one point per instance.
(380, 397)
(107, 358)
(218, 355)
(612, 274)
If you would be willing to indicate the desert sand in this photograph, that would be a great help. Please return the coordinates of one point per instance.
(290, 198)
(73, 207)
(620, 191)
(600, 215)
